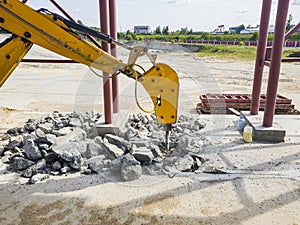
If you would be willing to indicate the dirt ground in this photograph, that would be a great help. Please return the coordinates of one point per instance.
(261, 186)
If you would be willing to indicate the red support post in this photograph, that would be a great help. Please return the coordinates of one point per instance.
(107, 83)
(260, 55)
(293, 30)
(278, 41)
(114, 35)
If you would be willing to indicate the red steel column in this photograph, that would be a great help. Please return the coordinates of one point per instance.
(107, 84)
(281, 17)
(260, 55)
(114, 35)
(290, 32)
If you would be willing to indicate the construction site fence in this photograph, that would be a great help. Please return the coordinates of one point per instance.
(288, 44)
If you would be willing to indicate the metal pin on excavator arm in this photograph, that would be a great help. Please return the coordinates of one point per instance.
(57, 34)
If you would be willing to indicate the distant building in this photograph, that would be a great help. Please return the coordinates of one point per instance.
(250, 30)
(219, 30)
(271, 29)
(232, 29)
(141, 29)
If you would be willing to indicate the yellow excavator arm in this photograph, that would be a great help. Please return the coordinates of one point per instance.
(55, 33)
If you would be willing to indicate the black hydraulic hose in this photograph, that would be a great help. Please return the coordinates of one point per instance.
(87, 30)
(96, 34)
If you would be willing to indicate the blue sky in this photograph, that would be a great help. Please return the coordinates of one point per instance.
(199, 15)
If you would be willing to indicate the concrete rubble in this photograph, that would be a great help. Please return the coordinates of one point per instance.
(63, 143)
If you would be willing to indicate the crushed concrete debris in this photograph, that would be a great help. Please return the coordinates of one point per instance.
(61, 143)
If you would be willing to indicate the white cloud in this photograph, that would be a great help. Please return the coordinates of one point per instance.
(296, 2)
(244, 10)
(177, 1)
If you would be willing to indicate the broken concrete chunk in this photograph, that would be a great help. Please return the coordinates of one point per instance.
(40, 133)
(143, 154)
(130, 172)
(32, 151)
(140, 143)
(65, 169)
(118, 141)
(29, 172)
(200, 123)
(68, 151)
(50, 157)
(76, 135)
(41, 164)
(184, 164)
(111, 151)
(12, 131)
(21, 163)
(38, 177)
(46, 127)
(77, 163)
(43, 147)
(82, 148)
(63, 131)
(29, 136)
(56, 165)
(30, 127)
(155, 151)
(107, 163)
(131, 133)
(96, 164)
(75, 122)
(183, 147)
(93, 149)
(170, 161)
(50, 139)
(1, 150)
(149, 170)
(15, 141)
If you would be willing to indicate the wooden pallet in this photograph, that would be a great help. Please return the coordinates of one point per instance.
(220, 103)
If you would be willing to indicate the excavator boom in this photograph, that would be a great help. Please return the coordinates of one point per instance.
(59, 35)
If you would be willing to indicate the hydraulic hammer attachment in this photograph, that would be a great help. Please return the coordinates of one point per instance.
(161, 83)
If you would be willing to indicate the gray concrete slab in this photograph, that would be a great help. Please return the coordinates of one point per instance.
(118, 124)
(276, 133)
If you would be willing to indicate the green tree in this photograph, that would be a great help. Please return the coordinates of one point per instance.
(140, 38)
(128, 32)
(121, 35)
(184, 31)
(157, 30)
(240, 28)
(129, 37)
(165, 30)
(289, 23)
(254, 36)
(80, 22)
(270, 37)
(205, 36)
